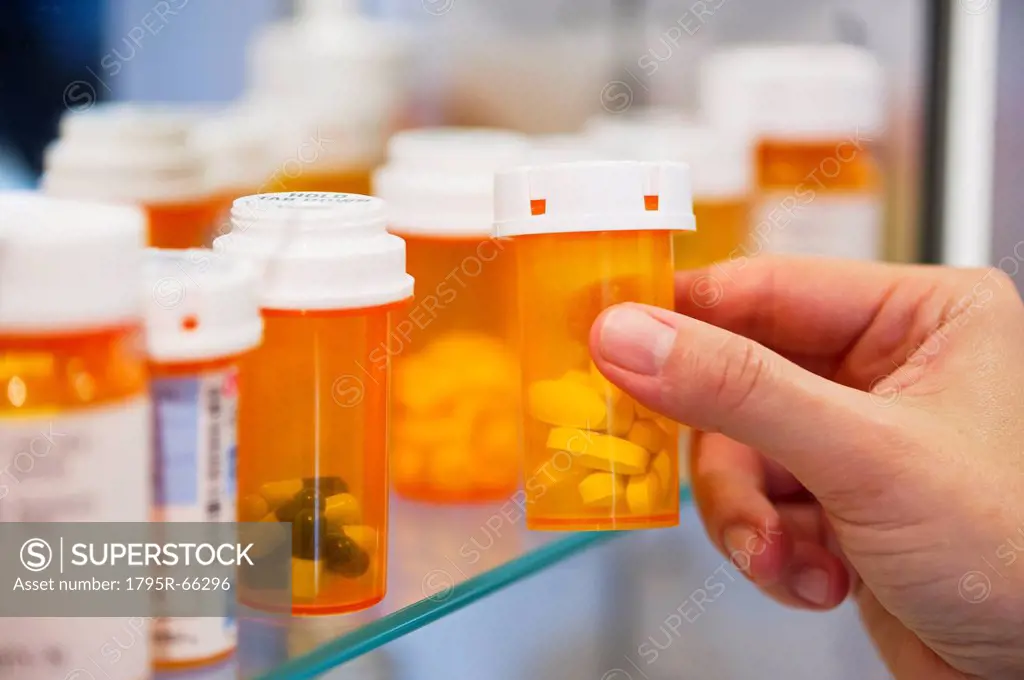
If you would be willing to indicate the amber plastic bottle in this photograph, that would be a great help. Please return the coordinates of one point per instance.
(74, 412)
(314, 405)
(141, 156)
(586, 236)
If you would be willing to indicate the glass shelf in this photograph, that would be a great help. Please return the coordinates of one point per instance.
(441, 560)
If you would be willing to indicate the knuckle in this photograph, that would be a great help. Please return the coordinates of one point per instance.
(743, 372)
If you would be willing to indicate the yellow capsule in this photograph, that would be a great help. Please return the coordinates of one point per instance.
(648, 434)
(621, 418)
(577, 376)
(364, 536)
(604, 386)
(252, 508)
(645, 413)
(600, 451)
(278, 493)
(643, 493)
(661, 465)
(341, 509)
(601, 489)
(559, 468)
(306, 575)
(566, 404)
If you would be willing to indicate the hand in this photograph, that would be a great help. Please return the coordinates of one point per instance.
(862, 431)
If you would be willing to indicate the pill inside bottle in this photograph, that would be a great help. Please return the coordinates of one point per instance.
(456, 389)
(137, 155)
(586, 236)
(313, 411)
(201, 319)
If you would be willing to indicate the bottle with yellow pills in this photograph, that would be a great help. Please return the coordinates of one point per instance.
(313, 408)
(74, 410)
(137, 155)
(454, 437)
(586, 236)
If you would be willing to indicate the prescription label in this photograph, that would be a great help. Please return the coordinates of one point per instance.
(194, 425)
(824, 224)
(195, 421)
(87, 466)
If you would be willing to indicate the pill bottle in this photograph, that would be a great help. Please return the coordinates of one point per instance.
(313, 408)
(335, 82)
(456, 381)
(815, 117)
(138, 155)
(74, 410)
(201, 318)
(237, 161)
(722, 166)
(586, 236)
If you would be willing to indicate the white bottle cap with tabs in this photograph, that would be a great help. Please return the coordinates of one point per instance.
(67, 265)
(440, 181)
(199, 305)
(795, 92)
(126, 153)
(591, 197)
(722, 162)
(318, 251)
(233, 145)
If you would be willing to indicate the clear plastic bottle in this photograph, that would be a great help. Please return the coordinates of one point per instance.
(313, 410)
(456, 379)
(815, 115)
(586, 236)
(201, 319)
(74, 412)
(136, 155)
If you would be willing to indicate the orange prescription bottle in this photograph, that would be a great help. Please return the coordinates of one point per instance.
(236, 157)
(313, 408)
(456, 382)
(722, 165)
(815, 116)
(74, 412)
(586, 236)
(137, 155)
(201, 318)
(335, 80)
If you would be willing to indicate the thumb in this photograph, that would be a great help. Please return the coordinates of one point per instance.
(713, 380)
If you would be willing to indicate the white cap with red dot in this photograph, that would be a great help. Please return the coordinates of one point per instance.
(67, 265)
(593, 196)
(200, 305)
(318, 251)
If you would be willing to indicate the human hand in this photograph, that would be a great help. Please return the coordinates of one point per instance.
(862, 430)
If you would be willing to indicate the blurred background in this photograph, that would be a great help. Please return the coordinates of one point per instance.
(941, 107)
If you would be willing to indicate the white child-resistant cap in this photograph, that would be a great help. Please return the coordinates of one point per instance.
(564, 148)
(799, 92)
(317, 251)
(593, 196)
(199, 305)
(721, 162)
(126, 153)
(440, 181)
(67, 265)
(233, 146)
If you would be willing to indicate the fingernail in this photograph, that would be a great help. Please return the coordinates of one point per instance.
(811, 584)
(741, 543)
(635, 341)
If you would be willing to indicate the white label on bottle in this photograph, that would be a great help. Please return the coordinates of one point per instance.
(91, 465)
(831, 225)
(194, 481)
